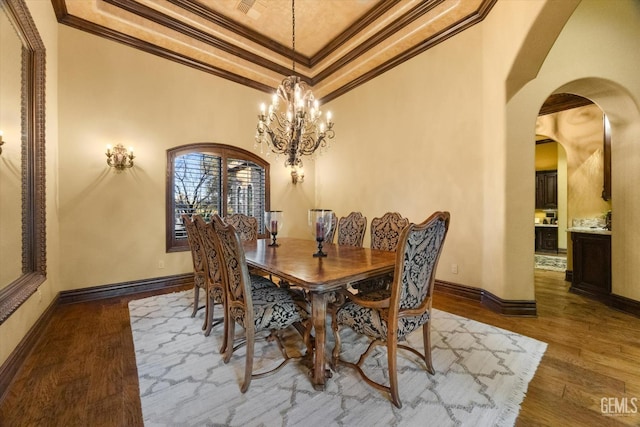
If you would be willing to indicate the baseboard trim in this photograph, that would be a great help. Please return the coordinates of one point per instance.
(458, 290)
(517, 308)
(625, 304)
(13, 364)
(124, 288)
(520, 308)
(568, 275)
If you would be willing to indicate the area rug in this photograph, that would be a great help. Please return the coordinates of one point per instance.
(550, 262)
(482, 373)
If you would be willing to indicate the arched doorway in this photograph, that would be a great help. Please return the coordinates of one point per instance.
(572, 139)
(614, 102)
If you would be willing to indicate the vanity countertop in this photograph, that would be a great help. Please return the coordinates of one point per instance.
(589, 230)
(547, 225)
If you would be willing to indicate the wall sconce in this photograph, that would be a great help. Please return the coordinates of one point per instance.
(118, 157)
(297, 175)
(1, 142)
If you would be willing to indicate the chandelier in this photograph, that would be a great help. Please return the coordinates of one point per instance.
(293, 124)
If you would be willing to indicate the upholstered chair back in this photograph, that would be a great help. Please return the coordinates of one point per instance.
(416, 261)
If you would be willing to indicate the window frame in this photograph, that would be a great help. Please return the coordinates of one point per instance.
(225, 152)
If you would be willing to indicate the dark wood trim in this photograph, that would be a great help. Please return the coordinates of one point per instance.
(127, 40)
(134, 7)
(519, 308)
(562, 101)
(568, 275)
(625, 304)
(371, 43)
(124, 288)
(458, 290)
(432, 41)
(362, 23)
(153, 15)
(12, 365)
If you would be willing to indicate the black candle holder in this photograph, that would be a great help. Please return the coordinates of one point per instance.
(273, 223)
(320, 223)
(273, 243)
(319, 254)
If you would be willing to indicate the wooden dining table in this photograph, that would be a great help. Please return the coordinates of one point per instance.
(294, 262)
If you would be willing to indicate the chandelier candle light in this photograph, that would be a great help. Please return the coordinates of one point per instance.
(293, 124)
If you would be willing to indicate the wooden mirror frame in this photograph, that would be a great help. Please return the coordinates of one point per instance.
(34, 252)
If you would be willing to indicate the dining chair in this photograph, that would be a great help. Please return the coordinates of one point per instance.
(214, 288)
(388, 316)
(385, 234)
(351, 229)
(246, 226)
(269, 308)
(385, 231)
(197, 256)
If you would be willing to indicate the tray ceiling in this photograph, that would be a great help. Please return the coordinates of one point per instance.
(339, 44)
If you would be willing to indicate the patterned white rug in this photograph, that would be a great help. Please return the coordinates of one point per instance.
(550, 262)
(482, 373)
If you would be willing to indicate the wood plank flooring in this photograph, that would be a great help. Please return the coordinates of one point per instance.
(83, 373)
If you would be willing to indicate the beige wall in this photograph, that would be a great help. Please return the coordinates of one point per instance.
(113, 223)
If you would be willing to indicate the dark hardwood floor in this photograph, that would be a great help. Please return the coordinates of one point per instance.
(82, 372)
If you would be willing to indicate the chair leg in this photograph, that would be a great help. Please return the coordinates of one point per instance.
(206, 325)
(230, 332)
(225, 328)
(335, 354)
(393, 372)
(248, 368)
(209, 313)
(426, 338)
(196, 295)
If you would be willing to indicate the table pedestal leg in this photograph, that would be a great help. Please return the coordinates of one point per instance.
(319, 318)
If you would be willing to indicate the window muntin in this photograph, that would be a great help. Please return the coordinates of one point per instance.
(210, 178)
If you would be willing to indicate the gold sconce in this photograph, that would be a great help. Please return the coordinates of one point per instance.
(119, 157)
(297, 175)
(1, 142)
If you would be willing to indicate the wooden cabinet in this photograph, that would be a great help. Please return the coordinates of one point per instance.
(591, 264)
(547, 239)
(547, 189)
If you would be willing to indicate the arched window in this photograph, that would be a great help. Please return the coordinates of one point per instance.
(208, 178)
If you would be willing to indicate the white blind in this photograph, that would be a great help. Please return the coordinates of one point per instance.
(197, 187)
(246, 190)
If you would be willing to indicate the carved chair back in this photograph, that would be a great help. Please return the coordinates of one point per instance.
(351, 229)
(246, 226)
(385, 231)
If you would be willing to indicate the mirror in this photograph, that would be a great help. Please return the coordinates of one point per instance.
(31, 171)
(10, 155)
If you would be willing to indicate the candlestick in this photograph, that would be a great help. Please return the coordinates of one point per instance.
(271, 219)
